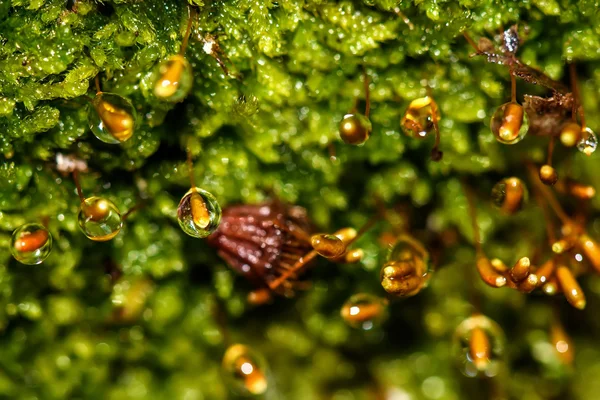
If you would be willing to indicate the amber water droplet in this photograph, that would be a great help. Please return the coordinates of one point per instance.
(198, 213)
(244, 370)
(364, 311)
(328, 246)
(588, 142)
(478, 345)
(408, 268)
(99, 219)
(31, 244)
(418, 119)
(570, 134)
(112, 118)
(355, 128)
(509, 195)
(174, 79)
(509, 123)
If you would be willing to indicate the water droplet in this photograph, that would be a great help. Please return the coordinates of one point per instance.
(364, 310)
(588, 142)
(329, 246)
(244, 370)
(99, 219)
(174, 79)
(355, 128)
(408, 268)
(198, 213)
(478, 345)
(418, 120)
(31, 244)
(111, 118)
(509, 123)
(509, 195)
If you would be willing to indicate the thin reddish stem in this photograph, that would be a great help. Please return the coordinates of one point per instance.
(513, 87)
(191, 15)
(550, 150)
(549, 196)
(576, 95)
(473, 214)
(190, 165)
(97, 81)
(367, 93)
(78, 185)
(471, 42)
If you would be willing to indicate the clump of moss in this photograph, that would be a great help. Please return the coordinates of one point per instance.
(265, 130)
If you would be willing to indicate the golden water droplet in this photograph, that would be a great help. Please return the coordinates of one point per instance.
(418, 119)
(328, 246)
(478, 344)
(31, 244)
(355, 128)
(364, 310)
(175, 79)
(112, 118)
(198, 213)
(509, 195)
(244, 370)
(408, 268)
(509, 123)
(99, 219)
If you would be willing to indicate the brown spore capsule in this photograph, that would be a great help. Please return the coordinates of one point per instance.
(528, 284)
(591, 250)
(548, 175)
(479, 348)
(259, 297)
(328, 246)
(117, 121)
(354, 256)
(488, 274)
(520, 270)
(545, 271)
(200, 214)
(31, 241)
(570, 134)
(511, 124)
(570, 287)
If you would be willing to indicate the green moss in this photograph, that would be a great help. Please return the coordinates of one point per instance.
(265, 130)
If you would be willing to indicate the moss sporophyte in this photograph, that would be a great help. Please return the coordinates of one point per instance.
(208, 199)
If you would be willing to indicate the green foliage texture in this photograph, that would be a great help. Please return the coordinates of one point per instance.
(267, 135)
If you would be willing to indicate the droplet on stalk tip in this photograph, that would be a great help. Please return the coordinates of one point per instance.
(479, 346)
(588, 142)
(509, 123)
(31, 244)
(244, 370)
(175, 79)
(198, 213)
(408, 268)
(509, 195)
(111, 118)
(99, 219)
(328, 246)
(420, 117)
(364, 311)
(355, 128)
